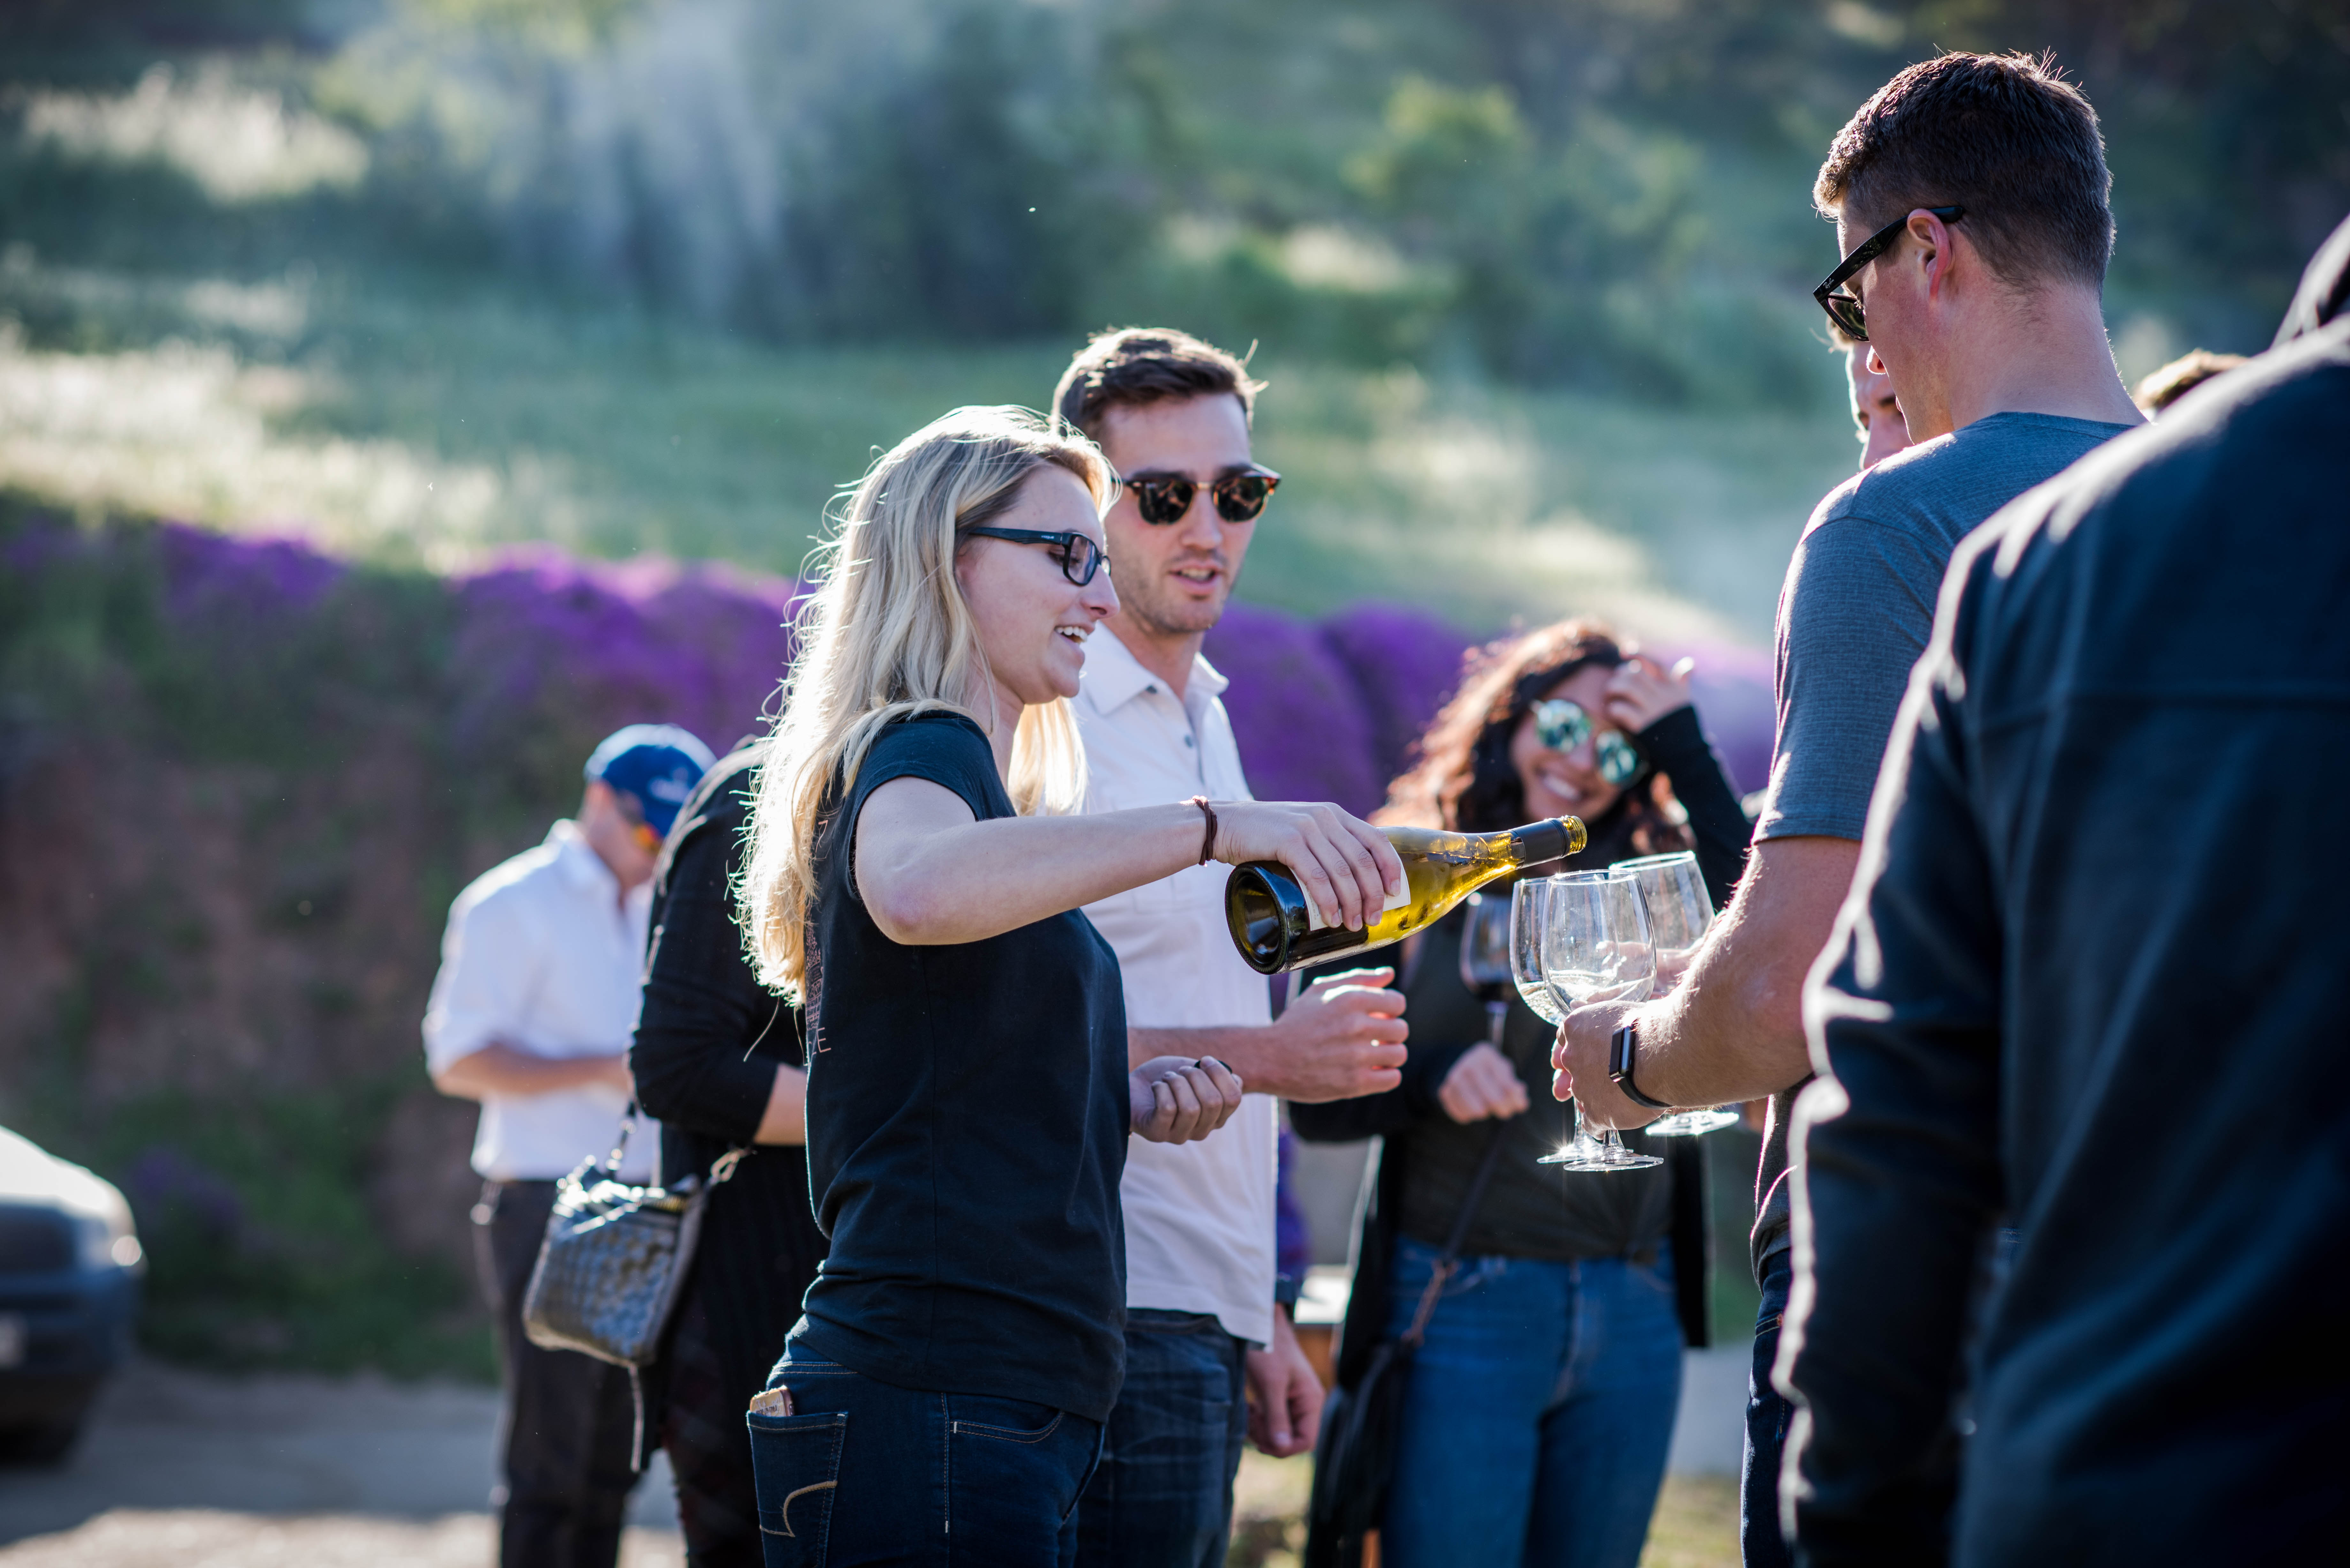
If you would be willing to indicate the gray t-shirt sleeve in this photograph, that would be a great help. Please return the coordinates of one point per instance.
(1853, 617)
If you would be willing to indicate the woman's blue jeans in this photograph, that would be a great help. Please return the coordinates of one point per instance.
(1540, 1409)
(866, 1472)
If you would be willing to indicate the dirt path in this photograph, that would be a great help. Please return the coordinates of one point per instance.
(195, 1470)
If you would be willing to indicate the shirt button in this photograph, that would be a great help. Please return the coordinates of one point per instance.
(1187, 740)
(1152, 689)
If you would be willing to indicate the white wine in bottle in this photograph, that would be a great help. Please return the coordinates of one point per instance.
(1277, 928)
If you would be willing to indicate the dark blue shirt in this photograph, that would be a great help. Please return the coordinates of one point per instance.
(2098, 983)
(967, 1124)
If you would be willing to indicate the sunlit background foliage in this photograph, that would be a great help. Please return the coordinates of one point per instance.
(353, 353)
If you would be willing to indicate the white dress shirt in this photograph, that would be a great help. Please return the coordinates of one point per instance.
(1198, 1216)
(544, 954)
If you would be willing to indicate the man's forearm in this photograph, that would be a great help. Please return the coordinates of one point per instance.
(498, 1068)
(1245, 1049)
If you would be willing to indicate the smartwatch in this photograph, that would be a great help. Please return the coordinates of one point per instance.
(1619, 1067)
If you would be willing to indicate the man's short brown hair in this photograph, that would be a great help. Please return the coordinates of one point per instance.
(1138, 365)
(2162, 387)
(2004, 136)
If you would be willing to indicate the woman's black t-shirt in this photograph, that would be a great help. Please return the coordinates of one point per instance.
(967, 1126)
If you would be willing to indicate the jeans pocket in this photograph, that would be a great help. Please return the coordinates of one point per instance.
(1003, 1421)
(795, 1467)
(1015, 1473)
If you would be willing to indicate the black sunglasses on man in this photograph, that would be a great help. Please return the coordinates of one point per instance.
(1240, 494)
(1843, 309)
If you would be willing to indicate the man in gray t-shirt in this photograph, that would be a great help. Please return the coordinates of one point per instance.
(1969, 198)
(1853, 616)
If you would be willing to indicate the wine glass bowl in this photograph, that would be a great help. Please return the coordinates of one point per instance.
(1486, 966)
(1528, 900)
(1596, 947)
(1680, 911)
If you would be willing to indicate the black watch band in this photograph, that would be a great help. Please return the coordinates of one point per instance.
(1619, 1067)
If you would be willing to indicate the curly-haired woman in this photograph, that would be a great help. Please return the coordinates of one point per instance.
(1541, 1402)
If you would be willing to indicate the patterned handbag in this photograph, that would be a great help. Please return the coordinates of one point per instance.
(615, 1260)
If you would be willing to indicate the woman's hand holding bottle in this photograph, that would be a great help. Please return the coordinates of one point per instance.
(1180, 1099)
(1342, 862)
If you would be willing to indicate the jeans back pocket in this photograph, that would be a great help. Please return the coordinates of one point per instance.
(795, 1465)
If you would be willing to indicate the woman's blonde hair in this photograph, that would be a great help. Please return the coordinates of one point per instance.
(886, 634)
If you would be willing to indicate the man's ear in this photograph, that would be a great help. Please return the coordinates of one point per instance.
(1936, 250)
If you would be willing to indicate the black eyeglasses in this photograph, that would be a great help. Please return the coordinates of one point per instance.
(1163, 498)
(1080, 556)
(1843, 309)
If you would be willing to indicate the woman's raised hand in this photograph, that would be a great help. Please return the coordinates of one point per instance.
(1640, 692)
(1343, 863)
(1180, 1099)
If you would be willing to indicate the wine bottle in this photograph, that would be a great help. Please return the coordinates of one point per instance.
(1278, 927)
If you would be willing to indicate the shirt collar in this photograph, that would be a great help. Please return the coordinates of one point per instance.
(579, 863)
(1113, 676)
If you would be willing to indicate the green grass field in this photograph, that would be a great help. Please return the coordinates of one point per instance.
(408, 420)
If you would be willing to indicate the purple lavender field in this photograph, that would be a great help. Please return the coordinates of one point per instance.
(1323, 710)
(240, 780)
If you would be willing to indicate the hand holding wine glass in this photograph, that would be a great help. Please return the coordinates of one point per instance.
(1482, 1083)
(1596, 947)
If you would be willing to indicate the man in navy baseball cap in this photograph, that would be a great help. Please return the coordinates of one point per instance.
(651, 769)
(530, 1016)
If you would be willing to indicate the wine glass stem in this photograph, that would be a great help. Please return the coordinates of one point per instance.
(1497, 1014)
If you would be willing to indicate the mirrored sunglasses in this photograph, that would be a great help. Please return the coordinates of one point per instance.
(1562, 725)
(1163, 499)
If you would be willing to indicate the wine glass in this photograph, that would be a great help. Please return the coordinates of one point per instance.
(1680, 911)
(1485, 959)
(1527, 902)
(1595, 947)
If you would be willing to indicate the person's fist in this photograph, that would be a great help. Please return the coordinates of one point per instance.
(1639, 693)
(1482, 1084)
(1178, 1099)
(1343, 1037)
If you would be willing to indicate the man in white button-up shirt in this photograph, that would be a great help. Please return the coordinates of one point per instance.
(531, 1015)
(1204, 1333)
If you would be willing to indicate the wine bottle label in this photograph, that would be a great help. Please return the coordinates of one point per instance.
(1321, 922)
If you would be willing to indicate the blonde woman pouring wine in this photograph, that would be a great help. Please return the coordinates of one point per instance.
(915, 876)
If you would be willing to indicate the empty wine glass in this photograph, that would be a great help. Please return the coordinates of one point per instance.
(1680, 911)
(1527, 902)
(1595, 947)
(1485, 959)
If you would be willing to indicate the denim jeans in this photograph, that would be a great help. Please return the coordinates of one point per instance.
(1760, 1543)
(1538, 1414)
(1163, 1495)
(866, 1472)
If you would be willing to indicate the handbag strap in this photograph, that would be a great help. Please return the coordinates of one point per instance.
(1448, 1260)
(720, 1168)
